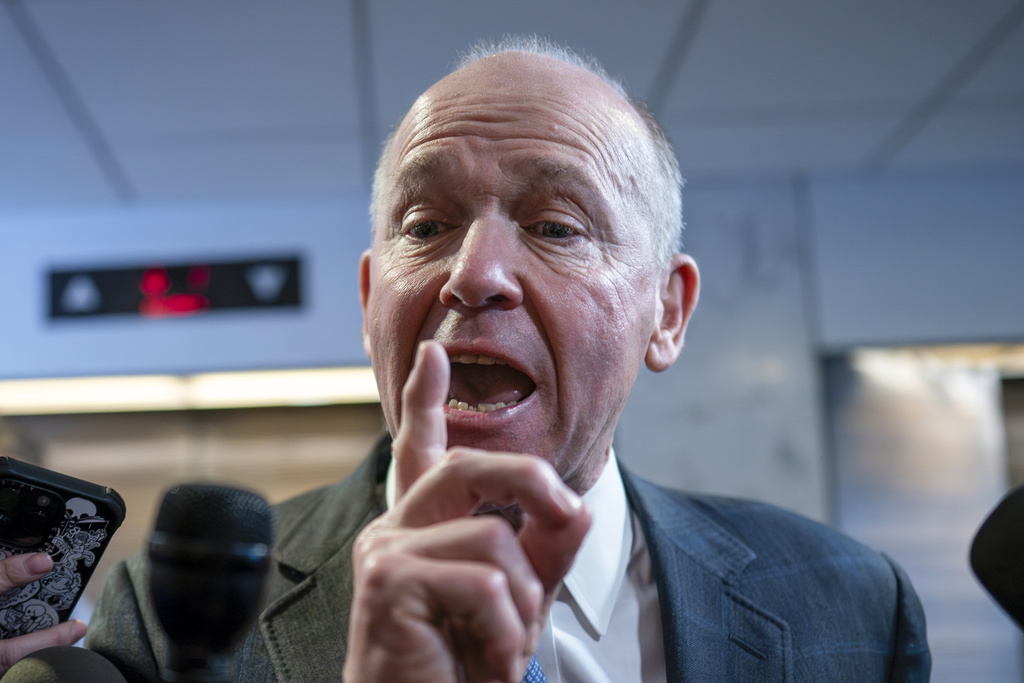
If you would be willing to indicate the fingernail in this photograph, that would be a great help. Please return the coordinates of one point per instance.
(568, 500)
(78, 629)
(39, 563)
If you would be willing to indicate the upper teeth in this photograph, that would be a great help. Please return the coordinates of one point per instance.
(476, 359)
(482, 408)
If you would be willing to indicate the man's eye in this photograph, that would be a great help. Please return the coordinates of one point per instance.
(425, 229)
(555, 230)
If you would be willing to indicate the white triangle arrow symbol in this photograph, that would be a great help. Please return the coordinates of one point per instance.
(266, 281)
(80, 295)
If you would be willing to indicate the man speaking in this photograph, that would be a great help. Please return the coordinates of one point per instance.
(524, 267)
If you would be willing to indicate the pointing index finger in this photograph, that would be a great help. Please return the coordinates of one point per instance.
(422, 435)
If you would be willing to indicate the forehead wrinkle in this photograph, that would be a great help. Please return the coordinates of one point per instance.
(611, 137)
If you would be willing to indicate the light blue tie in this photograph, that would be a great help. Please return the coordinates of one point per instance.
(533, 673)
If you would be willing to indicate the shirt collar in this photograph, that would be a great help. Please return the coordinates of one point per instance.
(600, 566)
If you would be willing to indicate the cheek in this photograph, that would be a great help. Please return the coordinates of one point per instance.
(395, 314)
(604, 330)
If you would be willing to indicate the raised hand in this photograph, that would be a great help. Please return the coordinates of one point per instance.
(441, 593)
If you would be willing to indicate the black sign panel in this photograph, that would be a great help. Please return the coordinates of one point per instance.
(174, 290)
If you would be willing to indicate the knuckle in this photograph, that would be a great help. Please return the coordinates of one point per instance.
(370, 538)
(494, 534)
(492, 584)
(456, 456)
(381, 571)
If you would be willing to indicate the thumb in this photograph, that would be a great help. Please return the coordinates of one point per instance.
(422, 437)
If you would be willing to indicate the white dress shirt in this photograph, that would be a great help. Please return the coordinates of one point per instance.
(605, 625)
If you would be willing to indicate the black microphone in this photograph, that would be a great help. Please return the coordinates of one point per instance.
(997, 554)
(63, 665)
(209, 556)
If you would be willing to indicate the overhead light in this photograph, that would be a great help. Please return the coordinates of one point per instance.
(282, 387)
(328, 386)
(1006, 359)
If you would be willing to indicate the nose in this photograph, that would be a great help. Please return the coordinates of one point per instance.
(483, 272)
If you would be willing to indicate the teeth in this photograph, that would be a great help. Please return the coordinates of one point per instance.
(475, 359)
(482, 408)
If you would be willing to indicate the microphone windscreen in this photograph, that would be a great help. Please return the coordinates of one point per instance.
(209, 512)
(997, 554)
(63, 665)
(209, 555)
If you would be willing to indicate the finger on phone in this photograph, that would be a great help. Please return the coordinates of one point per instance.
(20, 569)
(423, 435)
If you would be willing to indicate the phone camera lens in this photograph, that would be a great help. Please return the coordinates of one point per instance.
(43, 501)
(34, 522)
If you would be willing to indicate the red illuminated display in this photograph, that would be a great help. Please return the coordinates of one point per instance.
(176, 290)
(159, 302)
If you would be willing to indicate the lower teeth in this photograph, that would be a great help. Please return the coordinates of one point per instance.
(482, 408)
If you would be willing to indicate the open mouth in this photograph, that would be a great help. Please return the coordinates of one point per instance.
(483, 384)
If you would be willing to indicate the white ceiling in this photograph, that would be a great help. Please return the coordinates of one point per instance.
(109, 101)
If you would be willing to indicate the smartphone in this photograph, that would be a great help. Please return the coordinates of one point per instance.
(71, 520)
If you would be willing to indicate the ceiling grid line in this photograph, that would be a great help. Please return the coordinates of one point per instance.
(69, 97)
(680, 46)
(366, 92)
(933, 102)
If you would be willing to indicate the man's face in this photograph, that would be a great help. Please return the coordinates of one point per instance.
(511, 231)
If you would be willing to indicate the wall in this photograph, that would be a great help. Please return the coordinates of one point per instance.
(912, 259)
(738, 414)
(329, 236)
(790, 269)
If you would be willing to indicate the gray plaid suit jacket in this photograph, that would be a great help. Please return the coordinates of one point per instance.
(748, 593)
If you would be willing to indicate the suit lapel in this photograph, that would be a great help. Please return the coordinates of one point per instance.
(711, 631)
(305, 625)
(305, 629)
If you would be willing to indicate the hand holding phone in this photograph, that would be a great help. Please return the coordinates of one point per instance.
(68, 519)
(16, 571)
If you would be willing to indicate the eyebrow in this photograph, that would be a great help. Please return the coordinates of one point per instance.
(550, 172)
(565, 179)
(415, 171)
(418, 173)
(414, 174)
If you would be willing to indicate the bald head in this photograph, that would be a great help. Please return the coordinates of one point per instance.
(504, 80)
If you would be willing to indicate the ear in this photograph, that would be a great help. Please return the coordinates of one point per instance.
(364, 297)
(680, 288)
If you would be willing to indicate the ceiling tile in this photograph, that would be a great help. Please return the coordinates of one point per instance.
(152, 69)
(315, 168)
(750, 56)
(1002, 76)
(31, 109)
(41, 175)
(415, 43)
(962, 137)
(43, 158)
(805, 146)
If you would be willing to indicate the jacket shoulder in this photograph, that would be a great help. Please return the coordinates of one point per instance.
(843, 604)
